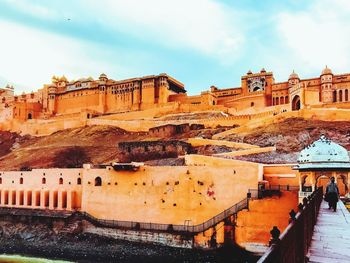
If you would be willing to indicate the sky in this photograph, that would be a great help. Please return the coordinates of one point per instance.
(199, 42)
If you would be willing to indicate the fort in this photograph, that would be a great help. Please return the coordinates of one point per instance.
(205, 201)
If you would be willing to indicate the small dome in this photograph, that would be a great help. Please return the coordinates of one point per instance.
(326, 71)
(63, 78)
(103, 76)
(249, 72)
(263, 70)
(293, 75)
(323, 153)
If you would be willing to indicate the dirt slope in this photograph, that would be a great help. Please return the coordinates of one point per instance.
(291, 136)
(99, 143)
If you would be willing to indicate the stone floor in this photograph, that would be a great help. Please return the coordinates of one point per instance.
(331, 238)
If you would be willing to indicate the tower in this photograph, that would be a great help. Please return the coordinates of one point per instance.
(102, 92)
(293, 79)
(327, 94)
(52, 90)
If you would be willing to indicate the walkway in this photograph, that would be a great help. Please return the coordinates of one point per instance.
(331, 238)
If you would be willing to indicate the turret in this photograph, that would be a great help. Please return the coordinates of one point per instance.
(293, 79)
(102, 92)
(103, 77)
(52, 90)
(326, 86)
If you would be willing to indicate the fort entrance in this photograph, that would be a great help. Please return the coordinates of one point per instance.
(296, 103)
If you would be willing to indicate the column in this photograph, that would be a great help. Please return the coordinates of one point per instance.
(59, 203)
(2, 197)
(313, 181)
(69, 199)
(51, 197)
(42, 199)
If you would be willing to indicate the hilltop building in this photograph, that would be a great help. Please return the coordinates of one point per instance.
(258, 91)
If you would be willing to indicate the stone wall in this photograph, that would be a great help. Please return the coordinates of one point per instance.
(150, 150)
(167, 239)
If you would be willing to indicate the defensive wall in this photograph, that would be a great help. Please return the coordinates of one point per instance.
(178, 195)
(156, 194)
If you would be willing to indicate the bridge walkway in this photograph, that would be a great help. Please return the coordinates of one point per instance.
(331, 238)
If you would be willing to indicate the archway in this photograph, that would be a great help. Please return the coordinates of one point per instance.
(296, 103)
(257, 88)
(30, 116)
(341, 180)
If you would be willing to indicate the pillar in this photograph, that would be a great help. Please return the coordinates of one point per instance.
(69, 199)
(42, 199)
(313, 181)
(51, 197)
(59, 204)
(25, 199)
(2, 197)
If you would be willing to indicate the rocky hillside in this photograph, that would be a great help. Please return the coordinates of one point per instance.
(290, 137)
(71, 147)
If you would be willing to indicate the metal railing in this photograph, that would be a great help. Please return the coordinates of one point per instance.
(168, 227)
(294, 242)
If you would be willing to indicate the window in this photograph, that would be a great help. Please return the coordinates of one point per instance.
(43, 181)
(21, 180)
(61, 181)
(251, 104)
(79, 181)
(98, 181)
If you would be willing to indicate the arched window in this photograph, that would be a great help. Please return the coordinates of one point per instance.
(282, 100)
(21, 180)
(340, 95)
(98, 181)
(346, 95)
(277, 101)
(43, 181)
(334, 96)
(273, 101)
(79, 181)
(286, 100)
(30, 116)
(61, 181)
(252, 104)
(0, 180)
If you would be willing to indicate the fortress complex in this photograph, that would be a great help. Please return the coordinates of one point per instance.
(257, 92)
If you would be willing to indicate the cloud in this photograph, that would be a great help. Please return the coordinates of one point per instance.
(316, 36)
(33, 8)
(204, 26)
(27, 54)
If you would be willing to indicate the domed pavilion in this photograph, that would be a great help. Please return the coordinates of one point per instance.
(321, 160)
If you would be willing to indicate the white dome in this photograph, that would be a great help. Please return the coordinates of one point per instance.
(324, 153)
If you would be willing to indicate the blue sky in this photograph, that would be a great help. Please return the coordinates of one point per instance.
(199, 42)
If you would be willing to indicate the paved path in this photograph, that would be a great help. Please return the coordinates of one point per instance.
(331, 239)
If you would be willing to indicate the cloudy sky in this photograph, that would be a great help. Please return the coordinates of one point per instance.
(199, 42)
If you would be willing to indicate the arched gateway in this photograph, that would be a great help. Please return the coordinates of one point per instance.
(321, 160)
(296, 103)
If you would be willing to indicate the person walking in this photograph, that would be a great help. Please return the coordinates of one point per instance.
(332, 194)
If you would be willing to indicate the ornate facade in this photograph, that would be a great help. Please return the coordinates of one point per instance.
(100, 96)
(259, 90)
(96, 97)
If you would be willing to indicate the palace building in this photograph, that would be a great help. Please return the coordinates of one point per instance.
(99, 96)
(257, 92)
